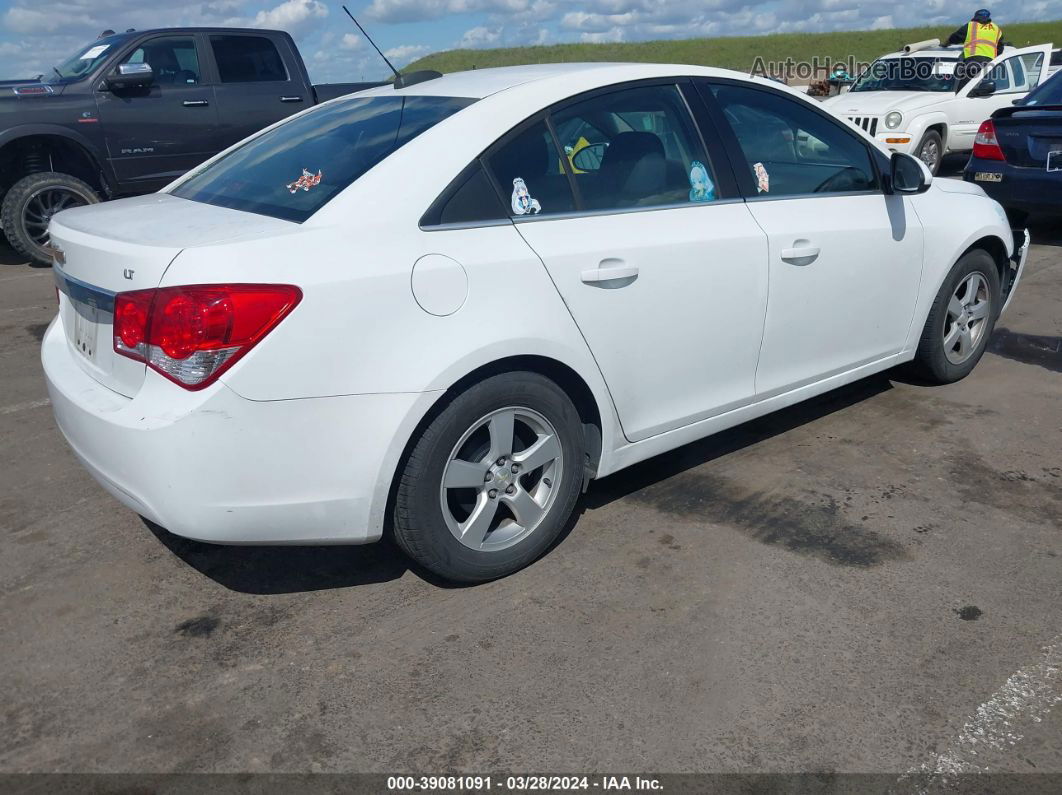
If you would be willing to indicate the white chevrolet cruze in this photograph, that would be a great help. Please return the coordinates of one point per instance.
(439, 311)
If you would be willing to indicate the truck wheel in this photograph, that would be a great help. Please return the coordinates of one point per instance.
(30, 204)
(492, 480)
(931, 151)
(960, 321)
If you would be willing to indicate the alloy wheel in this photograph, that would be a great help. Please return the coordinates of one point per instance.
(42, 205)
(967, 317)
(930, 154)
(499, 480)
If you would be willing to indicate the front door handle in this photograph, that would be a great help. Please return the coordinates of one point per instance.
(801, 253)
(291, 99)
(608, 273)
(195, 103)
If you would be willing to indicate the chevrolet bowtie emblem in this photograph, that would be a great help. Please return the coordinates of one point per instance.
(58, 254)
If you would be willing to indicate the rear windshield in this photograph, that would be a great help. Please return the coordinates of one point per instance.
(293, 170)
(1049, 93)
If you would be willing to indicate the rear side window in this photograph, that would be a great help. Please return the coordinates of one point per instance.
(293, 170)
(790, 149)
(247, 59)
(470, 199)
(635, 148)
(529, 171)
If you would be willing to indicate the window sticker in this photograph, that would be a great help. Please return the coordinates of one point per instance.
(944, 68)
(523, 204)
(763, 181)
(306, 181)
(95, 52)
(702, 189)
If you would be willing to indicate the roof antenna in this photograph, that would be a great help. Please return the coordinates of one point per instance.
(400, 81)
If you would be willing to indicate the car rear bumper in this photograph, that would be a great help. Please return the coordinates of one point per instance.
(1031, 190)
(216, 467)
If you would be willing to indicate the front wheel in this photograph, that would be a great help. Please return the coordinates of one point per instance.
(492, 480)
(931, 151)
(961, 320)
(29, 205)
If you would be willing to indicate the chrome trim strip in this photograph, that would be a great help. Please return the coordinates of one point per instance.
(528, 219)
(82, 292)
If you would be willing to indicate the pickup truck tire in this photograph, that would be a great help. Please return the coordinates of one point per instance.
(931, 151)
(960, 321)
(31, 202)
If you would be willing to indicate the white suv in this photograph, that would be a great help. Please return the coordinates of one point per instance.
(908, 101)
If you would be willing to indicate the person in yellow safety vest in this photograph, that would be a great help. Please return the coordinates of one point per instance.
(982, 41)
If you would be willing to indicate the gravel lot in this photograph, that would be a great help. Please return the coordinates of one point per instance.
(839, 587)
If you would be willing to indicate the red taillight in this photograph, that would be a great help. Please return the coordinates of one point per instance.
(193, 334)
(986, 146)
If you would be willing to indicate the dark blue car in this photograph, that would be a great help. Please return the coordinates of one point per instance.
(1017, 156)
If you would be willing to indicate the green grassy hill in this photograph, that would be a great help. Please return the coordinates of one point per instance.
(737, 52)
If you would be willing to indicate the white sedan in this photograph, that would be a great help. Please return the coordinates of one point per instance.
(439, 311)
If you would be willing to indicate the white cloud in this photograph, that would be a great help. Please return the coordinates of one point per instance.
(405, 53)
(351, 41)
(294, 16)
(480, 36)
(602, 36)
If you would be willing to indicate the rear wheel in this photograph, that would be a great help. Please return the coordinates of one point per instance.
(931, 151)
(961, 320)
(30, 204)
(492, 480)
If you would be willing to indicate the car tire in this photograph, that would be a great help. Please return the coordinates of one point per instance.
(29, 205)
(931, 151)
(961, 320)
(460, 510)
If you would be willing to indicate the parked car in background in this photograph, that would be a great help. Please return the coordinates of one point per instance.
(128, 113)
(908, 102)
(1017, 157)
(408, 309)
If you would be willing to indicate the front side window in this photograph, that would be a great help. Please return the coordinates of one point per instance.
(792, 150)
(637, 147)
(173, 59)
(293, 170)
(529, 172)
(247, 59)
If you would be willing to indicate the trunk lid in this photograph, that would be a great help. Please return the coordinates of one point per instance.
(105, 249)
(1027, 134)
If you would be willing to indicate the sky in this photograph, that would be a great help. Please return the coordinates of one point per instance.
(37, 34)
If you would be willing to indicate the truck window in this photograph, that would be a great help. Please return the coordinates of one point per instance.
(247, 59)
(294, 169)
(173, 59)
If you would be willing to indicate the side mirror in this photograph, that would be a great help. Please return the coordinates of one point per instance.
(589, 157)
(908, 175)
(985, 88)
(130, 75)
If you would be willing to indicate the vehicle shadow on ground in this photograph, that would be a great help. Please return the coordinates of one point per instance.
(8, 256)
(289, 569)
(724, 443)
(269, 570)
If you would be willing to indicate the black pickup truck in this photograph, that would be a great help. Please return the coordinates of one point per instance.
(132, 111)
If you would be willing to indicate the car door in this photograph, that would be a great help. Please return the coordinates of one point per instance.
(155, 134)
(659, 262)
(845, 259)
(255, 88)
(1015, 74)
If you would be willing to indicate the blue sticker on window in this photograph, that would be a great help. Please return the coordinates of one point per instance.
(702, 189)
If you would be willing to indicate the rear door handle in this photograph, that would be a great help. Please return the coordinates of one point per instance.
(609, 271)
(800, 255)
(291, 99)
(195, 103)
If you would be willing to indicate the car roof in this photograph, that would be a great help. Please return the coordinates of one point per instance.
(932, 52)
(481, 83)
